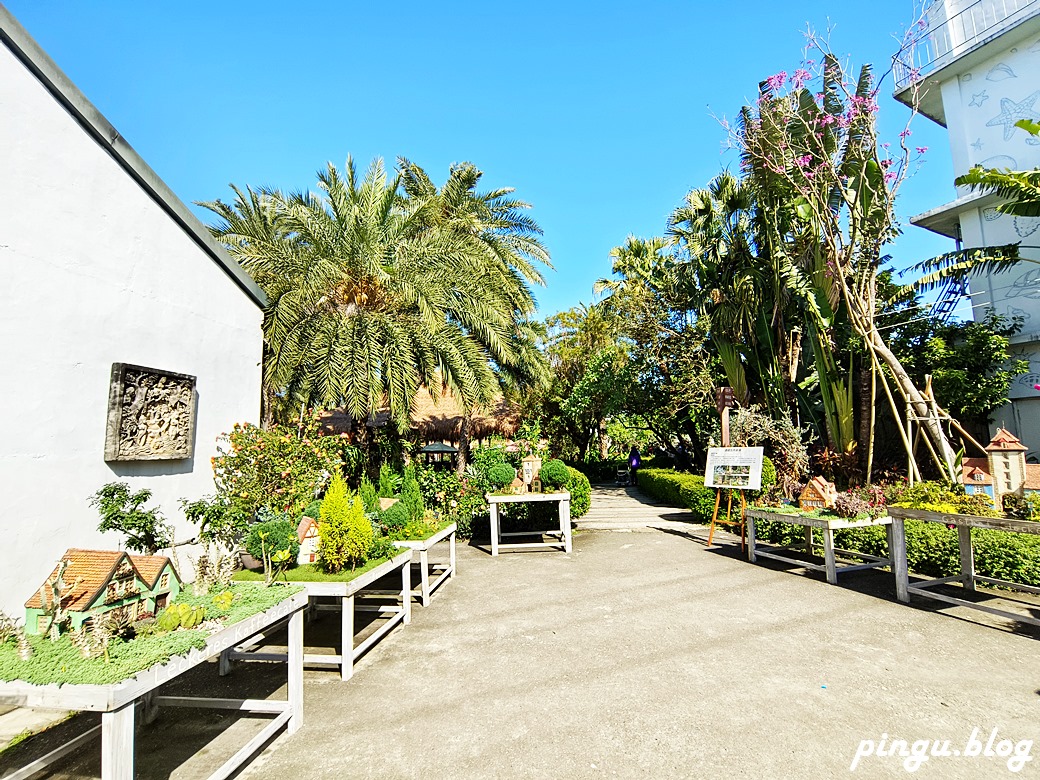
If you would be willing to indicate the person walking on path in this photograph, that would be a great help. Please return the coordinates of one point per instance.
(633, 464)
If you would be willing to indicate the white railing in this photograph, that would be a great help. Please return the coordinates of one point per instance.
(956, 35)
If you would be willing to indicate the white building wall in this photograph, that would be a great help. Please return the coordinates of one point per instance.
(981, 106)
(92, 272)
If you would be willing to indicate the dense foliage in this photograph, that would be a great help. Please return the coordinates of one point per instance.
(345, 534)
(272, 536)
(282, 468)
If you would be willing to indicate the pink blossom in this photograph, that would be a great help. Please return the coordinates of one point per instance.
(801, 75)
(885, 163)
(827, 119)
(921, 149)
(777, 80)
(906, 133)
(890, 177)
(1036, 387)
(802, 161)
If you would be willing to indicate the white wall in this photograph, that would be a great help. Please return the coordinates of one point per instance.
(981, 107)
(93, 272)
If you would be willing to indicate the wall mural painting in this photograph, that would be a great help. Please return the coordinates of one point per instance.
(151, 414)
(1000, 72)
(978, 98)
(1011, 112)
(1026, 226)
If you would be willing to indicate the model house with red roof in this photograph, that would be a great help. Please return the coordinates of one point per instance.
(1003, 470)
(101, 581)
(817, 494)
(307, 533)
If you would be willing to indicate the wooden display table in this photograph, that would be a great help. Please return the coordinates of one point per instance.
(116, 702)
(564, 534)
(444, 571)
(346, 592)
(828, 525)
(967, 576)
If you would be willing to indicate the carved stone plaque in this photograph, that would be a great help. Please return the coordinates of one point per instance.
(151, 414)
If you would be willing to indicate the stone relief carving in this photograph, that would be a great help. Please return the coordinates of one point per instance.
(151, 414)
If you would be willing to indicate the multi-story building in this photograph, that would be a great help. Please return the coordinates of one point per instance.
(975, 69)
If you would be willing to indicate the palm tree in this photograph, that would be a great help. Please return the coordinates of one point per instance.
(367, 302)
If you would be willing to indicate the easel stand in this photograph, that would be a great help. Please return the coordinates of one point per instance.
(728, 521)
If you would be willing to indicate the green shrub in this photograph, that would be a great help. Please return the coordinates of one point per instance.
(410, 495)
(145, 529)
(388, 482)
(279, 534)
(369, 496)
(282, 467)
(394, 518)
(382, 547)
(344, 533)
(501, 474)
(555, 474)
(313, 510)
(218, 520)
(678, 488)
(581, 493)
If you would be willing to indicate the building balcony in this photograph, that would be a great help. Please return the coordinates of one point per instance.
(957, 39)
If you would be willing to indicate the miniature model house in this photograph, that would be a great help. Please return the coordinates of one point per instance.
(818, 494)
(1003, 470)
(530, 467)
(94, 582)
(307, 533)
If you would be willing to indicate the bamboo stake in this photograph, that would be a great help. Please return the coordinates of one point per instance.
(873, 420)
(914, 470)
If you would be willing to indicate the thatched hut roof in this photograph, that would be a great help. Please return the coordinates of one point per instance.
(439, 419)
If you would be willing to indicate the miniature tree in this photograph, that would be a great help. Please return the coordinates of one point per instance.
(411, 496)
(501, 474)
(555, 474)
(145, 529)
(368, 494)
(345, 534)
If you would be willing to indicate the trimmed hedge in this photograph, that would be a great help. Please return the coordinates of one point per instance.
(581, 493)
(679, 488)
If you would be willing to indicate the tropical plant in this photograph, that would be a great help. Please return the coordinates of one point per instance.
(145, 529)
(383, 285)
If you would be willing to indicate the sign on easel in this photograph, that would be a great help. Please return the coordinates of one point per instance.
(739, 468)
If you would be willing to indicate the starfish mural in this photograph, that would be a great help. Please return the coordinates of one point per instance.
(977, 145)
(978, 98)
(1011, 112)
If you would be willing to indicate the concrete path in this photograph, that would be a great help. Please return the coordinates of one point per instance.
(643, 654)
(616, 508)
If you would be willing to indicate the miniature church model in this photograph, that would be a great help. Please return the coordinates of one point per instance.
(1003, 470)
(89, 583)
(818, 494)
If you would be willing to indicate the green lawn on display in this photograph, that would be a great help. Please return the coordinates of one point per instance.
(62, 663)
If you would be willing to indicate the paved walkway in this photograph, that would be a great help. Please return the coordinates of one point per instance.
(616, 508)
(642, 654)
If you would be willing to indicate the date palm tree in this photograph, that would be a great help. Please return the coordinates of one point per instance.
(368, 301)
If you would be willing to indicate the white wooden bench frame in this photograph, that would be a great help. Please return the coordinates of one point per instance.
(828, 525)
(563, 535)
(117, 701)
(424, 592)
(967, 577)
(347, 593)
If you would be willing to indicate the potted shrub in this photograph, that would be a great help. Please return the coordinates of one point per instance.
(555, 475)
(500, 475)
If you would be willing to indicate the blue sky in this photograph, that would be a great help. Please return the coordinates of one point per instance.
(602, 115)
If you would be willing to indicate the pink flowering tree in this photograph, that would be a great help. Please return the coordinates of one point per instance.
(811, 144)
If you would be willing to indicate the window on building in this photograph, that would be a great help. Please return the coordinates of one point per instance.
(978, 476)
(164, 581)
(43, 622)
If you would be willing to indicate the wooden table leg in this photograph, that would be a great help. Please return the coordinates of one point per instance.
(565, 523)
(424, 577)
(346, 666)
(117, 743)
(828, 556)
(967, 557)
(751, 540)
(295, 682)
(494, 529)
(406, 589)
(808, 540)
(451, 555)
(897, 552)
